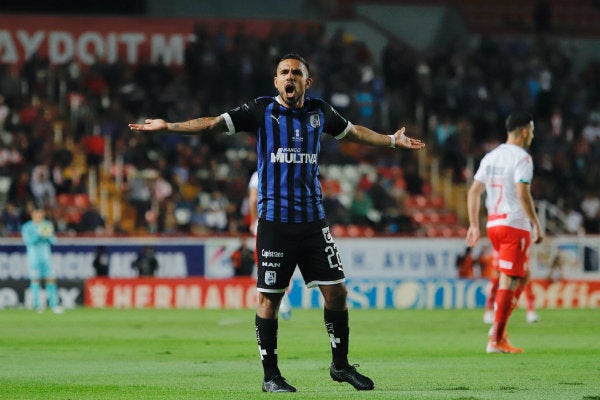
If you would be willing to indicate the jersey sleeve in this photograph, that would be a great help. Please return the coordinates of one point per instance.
(335, 124)
(244, 118)
(524, 170)
(480, 175)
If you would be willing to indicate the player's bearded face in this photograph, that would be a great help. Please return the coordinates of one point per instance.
(291, 82)
(529, 136)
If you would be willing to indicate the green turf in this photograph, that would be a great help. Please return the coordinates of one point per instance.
(212, 354)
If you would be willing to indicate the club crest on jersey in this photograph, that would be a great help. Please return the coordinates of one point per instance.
(315, 121)
(270, 277)
(297, 137)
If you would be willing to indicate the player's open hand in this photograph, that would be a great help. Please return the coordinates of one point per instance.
(536, 235)
(404, 141)
(473, 235)
(149, 125)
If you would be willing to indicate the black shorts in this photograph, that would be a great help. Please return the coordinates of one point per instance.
(282, 246)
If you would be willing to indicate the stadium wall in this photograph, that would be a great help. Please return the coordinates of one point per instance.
(382, 272)
(210, 257)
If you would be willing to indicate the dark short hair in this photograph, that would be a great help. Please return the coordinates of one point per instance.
(294, 56)
(518, 119)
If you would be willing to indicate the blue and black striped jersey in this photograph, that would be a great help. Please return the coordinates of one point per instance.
(288, 145)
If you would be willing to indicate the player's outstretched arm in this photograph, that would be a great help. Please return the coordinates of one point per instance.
(364, 135)
(198, 125)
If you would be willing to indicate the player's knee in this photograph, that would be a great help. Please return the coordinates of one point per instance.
(335, 297)
(268, 303)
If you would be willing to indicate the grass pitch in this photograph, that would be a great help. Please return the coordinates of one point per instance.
(212, 354)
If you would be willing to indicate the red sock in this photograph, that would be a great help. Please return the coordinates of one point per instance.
(504, 306)
(518, 292)
(491, 298)
(530, 297)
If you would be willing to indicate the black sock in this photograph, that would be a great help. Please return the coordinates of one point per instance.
(336, 323)
(266, 336)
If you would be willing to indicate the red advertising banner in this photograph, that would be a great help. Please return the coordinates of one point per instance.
(170, 293)
(375, 293)
(565, 294)
(108, 39)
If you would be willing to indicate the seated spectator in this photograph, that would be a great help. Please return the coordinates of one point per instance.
(183, 212)
(42, 188)
(216, 213)
(414, 182)
(162, 190)
(574, 221)
(12, 219)
(20, 189)
(4, 112)
(384, 202)
(10, 159)
(444, 129)
(590, 206)
(361, 208)
(91, 221)
(334, 209)
(591, 132)
(61, 159)
(139, 196)
(94, 149)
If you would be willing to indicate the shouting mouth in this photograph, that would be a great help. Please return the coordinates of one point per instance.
(290, 89)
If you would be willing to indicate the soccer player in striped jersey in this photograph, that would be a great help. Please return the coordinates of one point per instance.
(292, 230)
(285, 306)
(505, 175)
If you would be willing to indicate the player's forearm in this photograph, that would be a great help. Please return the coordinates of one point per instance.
(199, 125)
(363, 135)
(474, 202)
(473, 206)
(527, 203)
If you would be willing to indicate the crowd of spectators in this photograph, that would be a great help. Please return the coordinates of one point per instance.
(455, 98)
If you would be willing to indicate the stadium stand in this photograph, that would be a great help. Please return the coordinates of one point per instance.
(72, 119)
